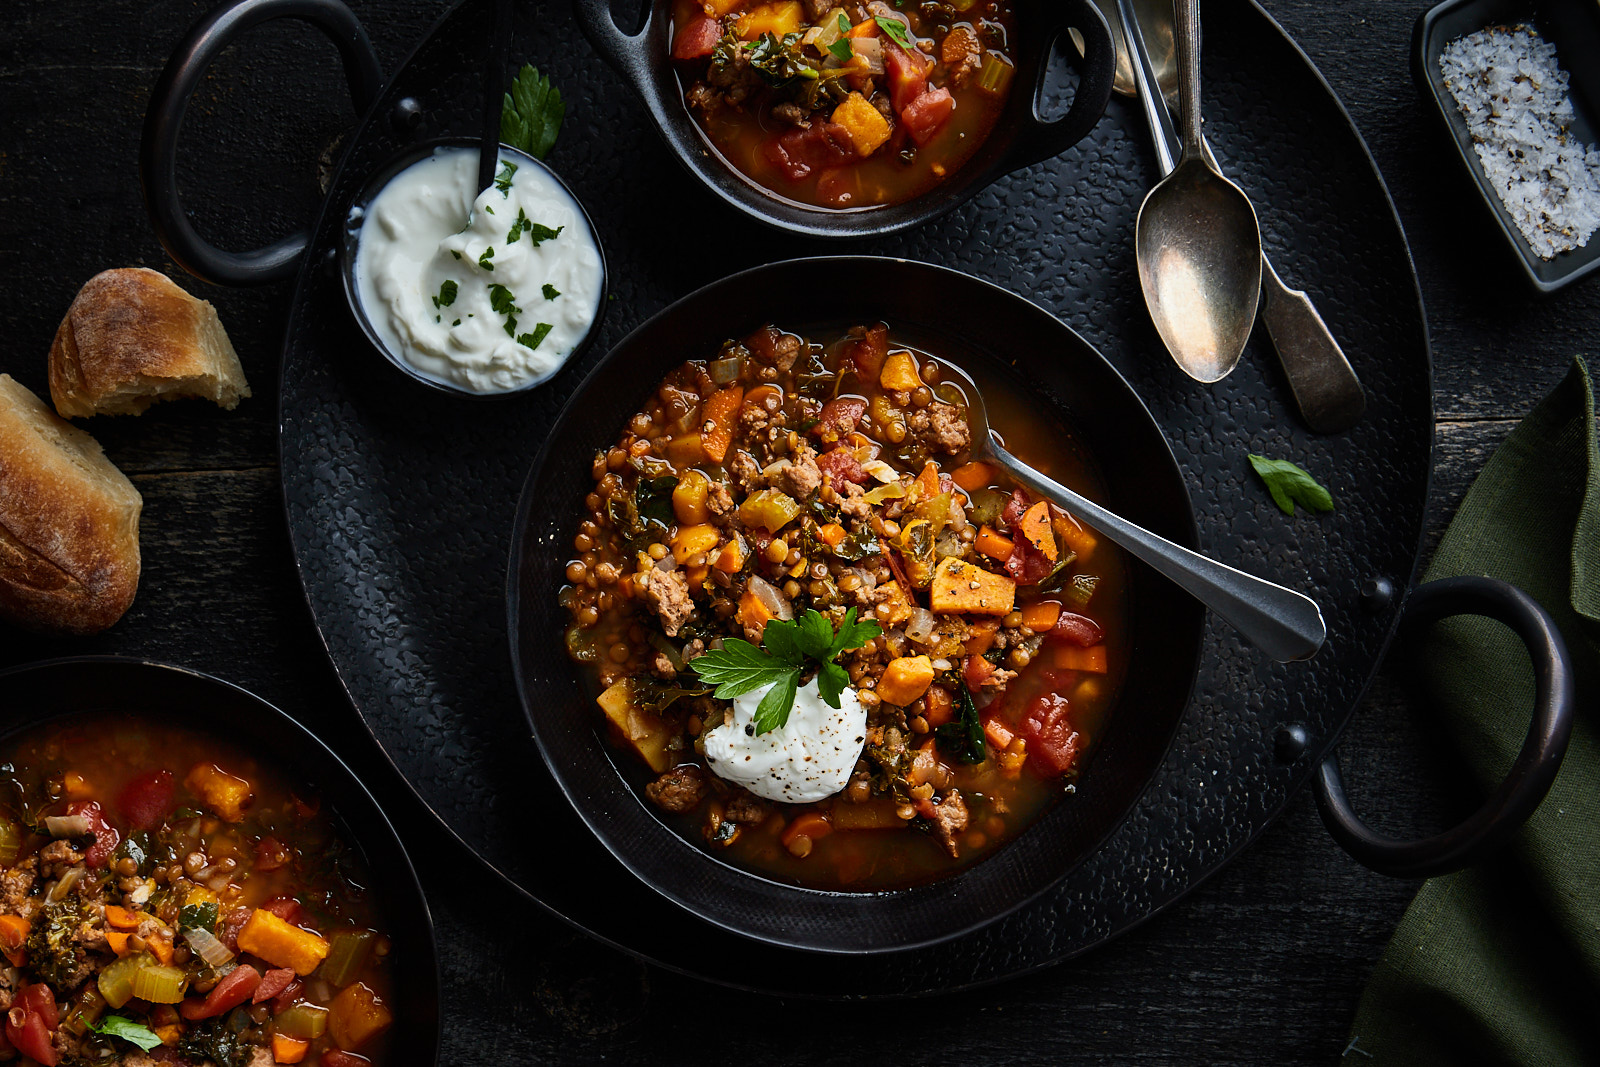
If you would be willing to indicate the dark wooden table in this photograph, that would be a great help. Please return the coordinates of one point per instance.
(1264, 964)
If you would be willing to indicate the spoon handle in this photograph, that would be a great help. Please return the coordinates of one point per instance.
(1284, 624)
(1187, 28)
(494, 77)
(1325, 386)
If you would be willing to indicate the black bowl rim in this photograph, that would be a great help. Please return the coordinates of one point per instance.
(15, 724)
(1194, 654)
(350, 240)
(1427, 43)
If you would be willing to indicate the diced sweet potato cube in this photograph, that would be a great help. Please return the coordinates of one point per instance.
(974, 475)
(223, 793)
(777, 19)
(905, 679)
(1035, 526)
(899, 373)
(642, 730)
(356, 1016)
(691, 541)
(281, 944)
(685, 450)
(689, 498)
(962, 587)
(867, 127)
(896, 605)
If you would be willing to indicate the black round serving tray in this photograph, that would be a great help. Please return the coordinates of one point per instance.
(400, 502)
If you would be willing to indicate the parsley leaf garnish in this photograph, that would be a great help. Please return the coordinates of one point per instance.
(502, 300)
(844, 23)
(502, 181)
(840, 48)
(739, 667)
(483, 260)
(198, 916)
(550, 291)
(128, 1030)
(534, 339)
(1289, 485)
(531, 115)
(896, 30)
(447, 294)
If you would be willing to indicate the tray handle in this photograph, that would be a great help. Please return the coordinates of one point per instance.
(1524, 786)
(163, 120)
(1037, 139)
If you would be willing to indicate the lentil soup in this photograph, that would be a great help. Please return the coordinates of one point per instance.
(780, 477)
(165, 891)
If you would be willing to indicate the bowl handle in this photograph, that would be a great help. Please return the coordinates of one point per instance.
(625, 52)
(1493, 824)
(158, 150)
(1038, 140)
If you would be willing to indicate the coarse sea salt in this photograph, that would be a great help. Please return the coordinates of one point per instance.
(1513, 94)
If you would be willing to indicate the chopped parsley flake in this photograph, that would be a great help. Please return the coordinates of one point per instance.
(550, 291)
(483, 260)
(447, 294)
(534, 339)
(502, 181)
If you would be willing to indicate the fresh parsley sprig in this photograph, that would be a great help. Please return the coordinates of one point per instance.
(896, 30)
(739, 667)
(530, 117)
(1290, 484)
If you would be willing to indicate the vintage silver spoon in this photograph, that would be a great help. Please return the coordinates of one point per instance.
(1325, 386)
(1197, 242)
(1284, 624)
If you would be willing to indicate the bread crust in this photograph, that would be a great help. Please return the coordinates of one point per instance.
(69, 522)
(133, 337)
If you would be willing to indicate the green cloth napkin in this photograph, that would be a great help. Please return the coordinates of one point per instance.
(1501, 963)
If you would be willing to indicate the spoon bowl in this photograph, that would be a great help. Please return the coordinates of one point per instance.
(1284, 624)
(1197, 241)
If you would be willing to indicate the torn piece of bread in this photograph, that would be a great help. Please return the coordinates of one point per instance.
(69, 522)
(131, 338)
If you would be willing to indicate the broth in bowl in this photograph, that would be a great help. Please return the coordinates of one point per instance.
(837, 651)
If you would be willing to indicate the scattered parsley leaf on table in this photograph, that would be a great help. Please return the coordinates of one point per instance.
(1289, 485)
(530, 117)
(128, 1030)
(739, 667)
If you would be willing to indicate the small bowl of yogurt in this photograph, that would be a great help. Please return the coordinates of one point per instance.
(477, 294)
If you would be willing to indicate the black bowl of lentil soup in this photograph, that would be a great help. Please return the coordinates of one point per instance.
(864, 883)
(236, 894)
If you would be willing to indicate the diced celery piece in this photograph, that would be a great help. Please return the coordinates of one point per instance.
(86, 1008)
(995, 77)
(303, 1022)
(116, 980)
(1080, 590)
(348, 951)
(159, 984)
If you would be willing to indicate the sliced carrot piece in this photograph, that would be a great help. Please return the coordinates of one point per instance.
(288, 1049)
(1072, 533)
(974, 475)
(121, 918)
(928, 482)
(118, 940)
(1041, 615)
(940, 706)
(14, 939)
(716, 431)
(992, 544)
(831, 534)
(812, 824)
(997, 733)
(1035, 527)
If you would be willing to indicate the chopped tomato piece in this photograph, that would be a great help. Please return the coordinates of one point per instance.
(32, 1038)
(106, 838)
(927, 113)
(234, 989)
(697, 38)
(286, 908)
(839, 416)
(800, 152)
(843, 465)
(1027, 564)
(339, 1058)
(1079, 630)
(145, 801)
(907, 73)
(39, 999)
(865, 354)
(1053, 745)
(270, 854)
(975, 670)
(273, 983)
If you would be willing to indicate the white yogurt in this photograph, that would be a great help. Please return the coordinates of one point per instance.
(487, 306)
(808, 758)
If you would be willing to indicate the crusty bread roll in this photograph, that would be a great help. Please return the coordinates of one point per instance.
(69, 522)
(131, 338)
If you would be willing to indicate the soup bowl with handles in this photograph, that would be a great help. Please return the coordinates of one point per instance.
(982, 328)
(1021, 135)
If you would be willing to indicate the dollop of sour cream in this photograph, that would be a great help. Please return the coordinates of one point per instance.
(808, 758)
(490, 305)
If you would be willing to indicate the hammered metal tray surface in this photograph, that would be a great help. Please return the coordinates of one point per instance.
(400, 501)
